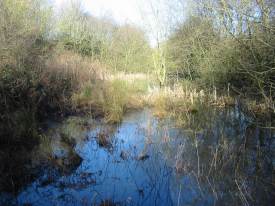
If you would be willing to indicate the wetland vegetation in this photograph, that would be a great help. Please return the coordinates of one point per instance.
(179, 111)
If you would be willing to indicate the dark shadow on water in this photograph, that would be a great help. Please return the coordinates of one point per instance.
(220, 158)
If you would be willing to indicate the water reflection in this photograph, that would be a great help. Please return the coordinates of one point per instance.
(221, 158)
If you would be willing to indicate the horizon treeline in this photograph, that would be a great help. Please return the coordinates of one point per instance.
(46, 58)
(52, 62)
(228, 45)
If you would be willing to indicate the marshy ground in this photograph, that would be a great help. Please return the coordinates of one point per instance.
(175, 109)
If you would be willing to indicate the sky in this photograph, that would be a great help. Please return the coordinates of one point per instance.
(137, 12)
(123, 11)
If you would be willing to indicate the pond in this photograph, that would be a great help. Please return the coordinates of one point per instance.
(223, 159)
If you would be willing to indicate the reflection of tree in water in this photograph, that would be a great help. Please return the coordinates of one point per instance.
(229, 158)
(224, 160)
(15, 169)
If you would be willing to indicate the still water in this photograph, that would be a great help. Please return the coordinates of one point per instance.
(221, 158)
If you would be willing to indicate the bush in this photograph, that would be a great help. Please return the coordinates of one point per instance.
(215, 52)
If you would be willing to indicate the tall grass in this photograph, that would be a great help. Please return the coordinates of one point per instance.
(226, 51)
(111, 98)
